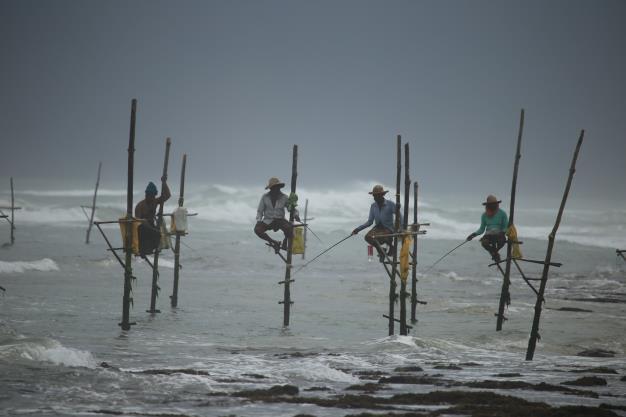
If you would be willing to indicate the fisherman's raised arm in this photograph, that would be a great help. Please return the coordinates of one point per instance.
(165, 192)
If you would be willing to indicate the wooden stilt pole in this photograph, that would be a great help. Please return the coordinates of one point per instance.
(128, 271)
(407, 191)
(12, 213)
(534, 333)
(181, 200)
(414, 262)
(93, 204)
(287, 295)
(155, 264)
(394, 265)
(305, 220)
(505, 297)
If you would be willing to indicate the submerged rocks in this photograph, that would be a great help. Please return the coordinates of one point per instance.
(408, 369)
(275, 391)
(597, 353)
(596, 370)
(587, 381)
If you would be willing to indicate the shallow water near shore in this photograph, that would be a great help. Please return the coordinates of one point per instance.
(59, 315)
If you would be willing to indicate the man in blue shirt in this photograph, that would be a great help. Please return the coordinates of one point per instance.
(381, 212)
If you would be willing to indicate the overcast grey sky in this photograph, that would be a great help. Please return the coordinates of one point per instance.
(236, 83)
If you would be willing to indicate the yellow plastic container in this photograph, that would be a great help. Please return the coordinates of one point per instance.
(298, 241)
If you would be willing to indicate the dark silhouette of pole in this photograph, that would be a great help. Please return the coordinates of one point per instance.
(534, 333)
(287, 294)
(505, 296)
(405, 225)
(93, 204)
(128, 271)
(394, 264)
(155, 264)
(181, 200)
(414, 261)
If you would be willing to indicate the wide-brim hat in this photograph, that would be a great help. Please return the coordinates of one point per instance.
(378, 190)
(273, 182)
(491, 199)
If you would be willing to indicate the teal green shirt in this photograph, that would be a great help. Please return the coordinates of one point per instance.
(496, 224)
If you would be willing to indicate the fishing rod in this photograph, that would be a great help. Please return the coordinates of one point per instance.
(448, 253)
(341, 241)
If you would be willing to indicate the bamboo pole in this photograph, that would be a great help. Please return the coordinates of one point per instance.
(305, 220)
(505, 296)
(534, 333)
(12, 213)
(181, 200)
(155, 263)
(407, 191)
(394, 265)
(128, 271)
(93, 204)
(287, 294)
(414, 262)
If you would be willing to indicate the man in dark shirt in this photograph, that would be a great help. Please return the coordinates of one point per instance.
(145, 210)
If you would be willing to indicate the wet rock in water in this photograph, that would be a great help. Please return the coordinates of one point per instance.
(542, 386)
(313, 389)
(508, 375)
(304, 415)
(450, 367)
(572, 309)
(172, 371)
(586, 381)
(623, 379)
(408, 369)
(613, 407)
(410, 379)
(275, 391)
(596, 353)
(469, 364)
(369, 387)
(104, 365)
(255, 376)
(596, 370)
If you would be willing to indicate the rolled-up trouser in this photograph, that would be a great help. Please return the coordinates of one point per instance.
(261, 228)
(372, 236)
(149, 239)
(493, 242)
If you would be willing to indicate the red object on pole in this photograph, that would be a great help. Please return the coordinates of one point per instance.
(370, 252)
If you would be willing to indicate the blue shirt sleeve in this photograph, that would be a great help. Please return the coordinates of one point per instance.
(369, 221)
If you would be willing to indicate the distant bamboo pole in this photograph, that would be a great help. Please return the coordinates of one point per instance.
(505, 296)
(12, 213)
(287, 293)
(414, 262)
(306, 208)
(181, 200)
(394, 265)
(93, 204)
(128, 271)
(155, 263)
(534, 333)
(407, 192)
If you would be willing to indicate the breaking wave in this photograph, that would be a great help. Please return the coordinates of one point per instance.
(18, 267)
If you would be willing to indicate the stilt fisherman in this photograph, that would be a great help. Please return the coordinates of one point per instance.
(381, 212)
(271, 215)
(149, 235)
(494, 223)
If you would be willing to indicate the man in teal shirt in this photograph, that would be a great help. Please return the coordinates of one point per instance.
(494, 223)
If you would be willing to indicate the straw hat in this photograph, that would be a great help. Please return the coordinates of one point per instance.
(378, 189)
(491, 199)
(273, 182)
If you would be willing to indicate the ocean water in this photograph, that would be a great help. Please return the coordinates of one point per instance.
(59, 315)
